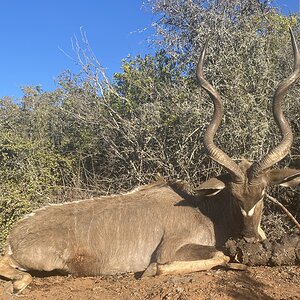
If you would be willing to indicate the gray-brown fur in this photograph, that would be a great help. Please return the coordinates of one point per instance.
(124, 233)
(114, 234)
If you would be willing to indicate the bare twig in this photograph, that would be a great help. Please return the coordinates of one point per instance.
(284, 209)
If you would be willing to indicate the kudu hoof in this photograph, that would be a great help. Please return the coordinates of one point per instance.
(20, 284)
(236, 266)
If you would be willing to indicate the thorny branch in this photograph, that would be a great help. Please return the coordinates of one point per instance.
(274, 200)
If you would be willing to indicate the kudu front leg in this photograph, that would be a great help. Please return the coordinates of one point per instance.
(183, 267)
(189, 258)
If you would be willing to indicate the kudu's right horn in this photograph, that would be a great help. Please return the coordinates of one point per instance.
(283, 148)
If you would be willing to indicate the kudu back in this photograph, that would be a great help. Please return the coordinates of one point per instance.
(156, 228)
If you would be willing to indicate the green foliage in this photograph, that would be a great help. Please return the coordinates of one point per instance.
(32, 170)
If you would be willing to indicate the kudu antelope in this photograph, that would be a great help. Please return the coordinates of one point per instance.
(156, 228)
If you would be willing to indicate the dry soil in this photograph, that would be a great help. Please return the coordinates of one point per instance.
(255, 283)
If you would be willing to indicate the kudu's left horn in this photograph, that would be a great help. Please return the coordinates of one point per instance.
(283, 148)
(213, 151)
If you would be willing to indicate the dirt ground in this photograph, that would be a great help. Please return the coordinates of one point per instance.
(255, 283)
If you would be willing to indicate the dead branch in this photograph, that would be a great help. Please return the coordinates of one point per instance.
(285, 210)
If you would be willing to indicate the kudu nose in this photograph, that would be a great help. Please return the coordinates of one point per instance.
(250, 236)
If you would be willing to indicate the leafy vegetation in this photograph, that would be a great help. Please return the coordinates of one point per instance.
(92, 136)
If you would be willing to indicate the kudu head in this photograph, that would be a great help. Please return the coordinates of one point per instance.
(247, 182)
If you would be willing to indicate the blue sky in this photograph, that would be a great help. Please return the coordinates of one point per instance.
(32, 32)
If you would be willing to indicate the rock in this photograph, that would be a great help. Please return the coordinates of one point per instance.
(285, 251)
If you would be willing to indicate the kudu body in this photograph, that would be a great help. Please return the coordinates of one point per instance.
(156, 228)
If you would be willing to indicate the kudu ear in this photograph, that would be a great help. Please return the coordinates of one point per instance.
(285, 177)
(210, 187)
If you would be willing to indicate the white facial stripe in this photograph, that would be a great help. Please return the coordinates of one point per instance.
(243, 212)
(251, 211)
